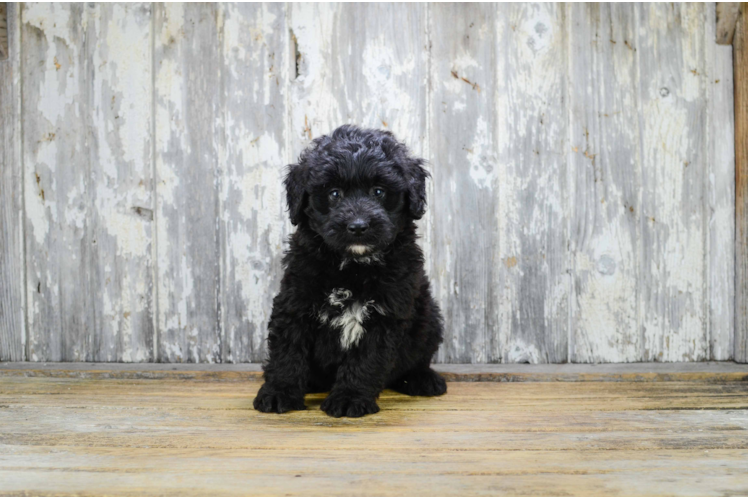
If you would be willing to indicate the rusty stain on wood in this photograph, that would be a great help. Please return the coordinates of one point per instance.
(173, 437)
(475, 86)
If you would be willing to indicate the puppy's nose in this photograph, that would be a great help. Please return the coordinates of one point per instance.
(358, 227)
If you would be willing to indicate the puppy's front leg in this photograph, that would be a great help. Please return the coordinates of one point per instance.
(362, 375)
(287, 369)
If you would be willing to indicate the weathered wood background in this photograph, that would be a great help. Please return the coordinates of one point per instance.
(582, 203)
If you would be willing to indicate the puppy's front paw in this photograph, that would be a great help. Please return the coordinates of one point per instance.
(348, 405)
(269, 400)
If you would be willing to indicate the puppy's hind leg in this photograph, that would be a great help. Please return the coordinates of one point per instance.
(420, 382)
(418, 378)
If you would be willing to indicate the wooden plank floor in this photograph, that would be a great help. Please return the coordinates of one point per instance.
(84, 436)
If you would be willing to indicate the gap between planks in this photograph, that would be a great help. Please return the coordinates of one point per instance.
(613, 372)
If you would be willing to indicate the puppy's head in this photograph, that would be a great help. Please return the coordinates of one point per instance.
(357, 188)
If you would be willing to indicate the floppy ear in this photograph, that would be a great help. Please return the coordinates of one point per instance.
(416, 176)
(295, 183)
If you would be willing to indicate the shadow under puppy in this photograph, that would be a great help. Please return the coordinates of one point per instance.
(355, 313)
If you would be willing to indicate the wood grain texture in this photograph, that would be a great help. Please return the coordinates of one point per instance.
(606, 188)
(159, 437)
(121, 182)
(363, 64)
(464, 158)
(187, 67)
(4, 24)
(727, 18)
(720, 206)
(255, 80)
(532, 65)
(740, 68)
(12, 273)
(87, 153)
(672, 109)
(57, 103)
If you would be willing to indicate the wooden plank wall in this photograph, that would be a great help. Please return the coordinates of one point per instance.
(582, 200)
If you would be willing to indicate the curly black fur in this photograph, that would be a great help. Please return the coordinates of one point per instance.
(355, 313)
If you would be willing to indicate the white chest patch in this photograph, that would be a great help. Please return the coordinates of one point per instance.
(350, 320)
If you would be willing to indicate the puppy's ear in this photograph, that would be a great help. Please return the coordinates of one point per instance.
(416, 176)
(295, 183)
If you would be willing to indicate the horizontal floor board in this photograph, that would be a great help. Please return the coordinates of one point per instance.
(83, 436)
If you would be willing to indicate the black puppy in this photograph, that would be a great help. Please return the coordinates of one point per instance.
(354, 314)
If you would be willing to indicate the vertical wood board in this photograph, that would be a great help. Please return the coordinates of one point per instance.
(464, 160)
(720, 182)
(604, 158)
(121, 181)
(671, 59)
(740, 68)
(187, 111)
(56, 140)
(12, 306)
(534, 204)
(87, 181)
(256, 66)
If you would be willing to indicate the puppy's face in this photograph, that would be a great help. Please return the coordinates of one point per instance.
(357, 189)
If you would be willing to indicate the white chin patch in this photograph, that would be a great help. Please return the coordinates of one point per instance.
(359, 249)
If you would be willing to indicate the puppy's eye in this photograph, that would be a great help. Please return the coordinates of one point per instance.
(377, 192)
(335, 194)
